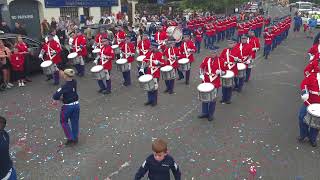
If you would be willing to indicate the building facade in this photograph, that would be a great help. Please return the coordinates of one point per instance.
(30, 13)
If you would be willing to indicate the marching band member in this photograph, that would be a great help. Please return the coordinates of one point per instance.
(187, 48)
(228, 54)
(79, 46)
(312, 67)
(55, 37)
(127, 52)
(314, 51)
(70, 108)
(172, 55)
(144, 44)
(52, 51)
(120, 35)
(254, 42)
(160, 37)
(310, 94)
(198, 39)
(97, 40)
(106, 57)
(154, 61)
(210, 71)
(268, 36)
(243, 56)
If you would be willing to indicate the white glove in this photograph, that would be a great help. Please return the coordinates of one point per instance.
(141, 70)
(156, 62)
(121, 55)
(41, 56)
(218, 71)
(95, 61)
(202, 77)
(305, 97)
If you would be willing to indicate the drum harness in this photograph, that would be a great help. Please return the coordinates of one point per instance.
(172, 57)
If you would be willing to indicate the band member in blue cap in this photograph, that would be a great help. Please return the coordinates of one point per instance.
(70, 108)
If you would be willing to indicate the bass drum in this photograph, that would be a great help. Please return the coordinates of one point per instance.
(174, 32)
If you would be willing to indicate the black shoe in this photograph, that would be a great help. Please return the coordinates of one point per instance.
(201, 116)
(313, 144)
(210, 118)
(180, 78)
(75, 141)
(68, 142)
(28, 79)
(125, 84)
(147, 103)
(153, 104)
(49, 78)
(228, 102)
(167, 90)
(106, 92)
(187, 82)
(100, 90)
(171, 92)
(300, 139)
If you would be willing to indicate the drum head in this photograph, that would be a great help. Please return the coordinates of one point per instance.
(121, 61)
(96, 68)
(314, 109)
(145, 78)
(229, 74)
(177, 34)
(115, 46)
(141, 58)
(183, 61)
(241, 66)
(46, 64)
(72, 55)
(205, 87)
(166, 68)
(96, 50)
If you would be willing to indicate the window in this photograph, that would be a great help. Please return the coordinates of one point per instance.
(69, 11)
(105, 10)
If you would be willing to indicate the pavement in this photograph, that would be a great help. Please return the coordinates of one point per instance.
(258, 129)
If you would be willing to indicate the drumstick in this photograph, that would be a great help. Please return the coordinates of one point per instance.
(308, 102)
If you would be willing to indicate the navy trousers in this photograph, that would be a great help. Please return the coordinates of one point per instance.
(170, 85)
(72, 113)
(208, 108)
(239, 83)
(106, 86)
(127, 78)
(56, 77)
(226, 94)
(266, 50)
(80, 69)
(305, 130)
(153, 97)
(248, 73)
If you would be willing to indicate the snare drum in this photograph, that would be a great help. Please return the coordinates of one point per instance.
(147, 82)
(98, 72)
(123, 65)
(116, 49)
(227, 80)
(140, 60)
(48, 67)
(312, 117)
(95, 51)
(241, 70)
(74, 58)
(167, 73)
(184, 64)
(207, 92)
